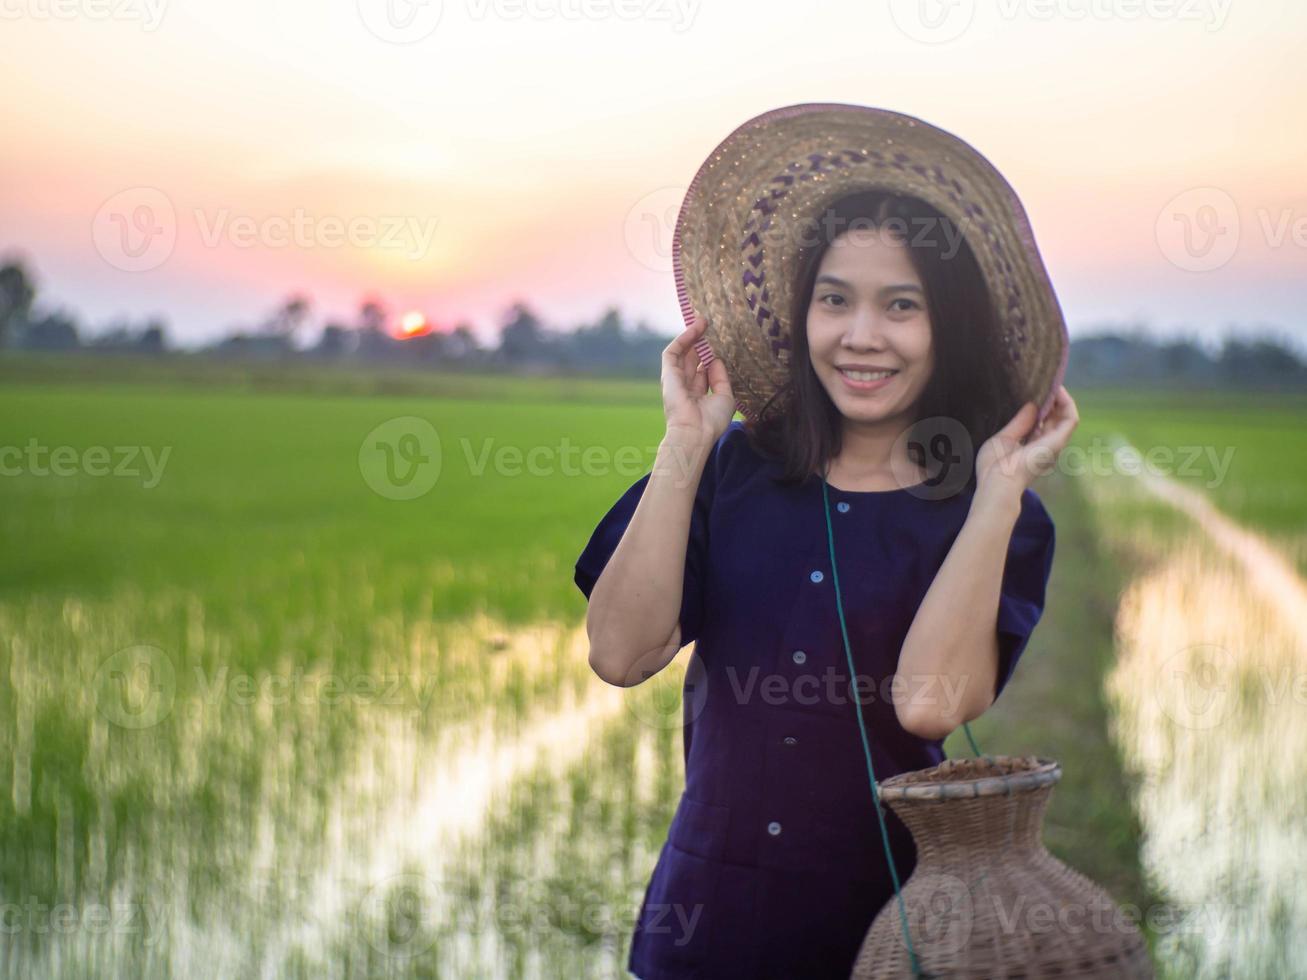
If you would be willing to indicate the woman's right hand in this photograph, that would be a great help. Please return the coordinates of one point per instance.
(692, 413)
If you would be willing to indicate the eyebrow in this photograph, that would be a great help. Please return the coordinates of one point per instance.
(895, 288)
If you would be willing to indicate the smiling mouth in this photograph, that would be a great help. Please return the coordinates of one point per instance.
(866, 375)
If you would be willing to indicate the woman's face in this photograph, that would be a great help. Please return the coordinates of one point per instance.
(868, 313)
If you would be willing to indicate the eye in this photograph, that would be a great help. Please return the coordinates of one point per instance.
(832, 296)
(912, 304)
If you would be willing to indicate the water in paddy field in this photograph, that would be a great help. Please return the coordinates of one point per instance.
(1210, 695)
(472, 803)
(238, 786)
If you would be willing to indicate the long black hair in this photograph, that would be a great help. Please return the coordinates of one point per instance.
(967, 386)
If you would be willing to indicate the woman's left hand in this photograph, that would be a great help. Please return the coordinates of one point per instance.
(1004, 461)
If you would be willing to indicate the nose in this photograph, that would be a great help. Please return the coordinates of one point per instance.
(866, 330)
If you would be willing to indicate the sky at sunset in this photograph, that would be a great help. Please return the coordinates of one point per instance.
(202, 160)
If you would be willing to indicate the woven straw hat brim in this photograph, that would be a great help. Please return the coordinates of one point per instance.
(741, 227)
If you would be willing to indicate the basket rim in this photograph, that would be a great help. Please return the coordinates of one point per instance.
(1036, 773)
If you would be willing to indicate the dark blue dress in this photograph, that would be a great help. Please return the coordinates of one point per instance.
(774, 865)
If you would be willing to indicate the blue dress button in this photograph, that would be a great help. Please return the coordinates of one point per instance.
(817, 576)
(799, 656)
(773, 828)
(842, 507)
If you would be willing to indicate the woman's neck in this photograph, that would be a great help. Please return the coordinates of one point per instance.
(871, 459)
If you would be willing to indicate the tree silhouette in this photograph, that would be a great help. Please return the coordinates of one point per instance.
(288, 318)
(16, 294)
(523, 336)
(373, 341)
(54, 331)
(334, 341)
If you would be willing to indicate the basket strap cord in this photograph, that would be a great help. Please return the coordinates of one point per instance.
(866, 746)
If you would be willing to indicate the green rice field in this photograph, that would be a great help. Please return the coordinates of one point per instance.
(293, 677)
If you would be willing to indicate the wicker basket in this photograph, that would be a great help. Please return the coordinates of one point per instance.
(986, 899)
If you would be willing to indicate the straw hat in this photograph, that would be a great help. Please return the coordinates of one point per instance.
(741, 226)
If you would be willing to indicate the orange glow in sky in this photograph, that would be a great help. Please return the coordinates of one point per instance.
(300, 147)
(412, 324)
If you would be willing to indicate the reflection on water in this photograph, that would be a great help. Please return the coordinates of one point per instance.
(1210, 692)
(466, 800)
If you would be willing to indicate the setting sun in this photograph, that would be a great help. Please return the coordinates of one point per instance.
(413, 324)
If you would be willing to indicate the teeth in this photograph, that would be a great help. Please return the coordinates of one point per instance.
(866, 375)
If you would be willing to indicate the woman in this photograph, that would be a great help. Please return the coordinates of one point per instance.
(851, 488)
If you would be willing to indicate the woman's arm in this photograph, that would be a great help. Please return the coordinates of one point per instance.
(949, 661)
(633, 619)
